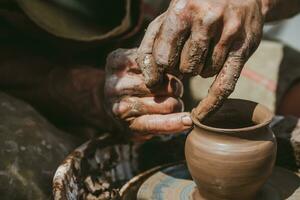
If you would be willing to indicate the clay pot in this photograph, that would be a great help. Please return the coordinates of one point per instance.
(231, 154)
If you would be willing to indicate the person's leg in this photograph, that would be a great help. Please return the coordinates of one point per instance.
(31, 150)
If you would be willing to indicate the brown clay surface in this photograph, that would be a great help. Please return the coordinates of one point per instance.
(232, 153)
(174, 182)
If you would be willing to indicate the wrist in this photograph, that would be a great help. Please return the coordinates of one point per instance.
(267, 7)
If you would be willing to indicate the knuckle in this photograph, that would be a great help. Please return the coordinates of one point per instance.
(195, 6)
(154, 23)
(175, 23)
(161, 59)
(232, 29)
(181, 7)
(119, 109)
(173, 105)
(115, 54)
(127, 109)
(212, 16)
(123, 107)
(206, 12)
(225, 89)
(169, 107)
(218, 13)
(121, 58)
(236, 23)
(177, 16)
(240, 53)
(238, 57)
(110, 60)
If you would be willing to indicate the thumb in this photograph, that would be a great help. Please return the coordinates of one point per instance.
(162, 124)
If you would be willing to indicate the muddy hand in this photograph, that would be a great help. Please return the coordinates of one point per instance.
(134, 106)
(206, 38)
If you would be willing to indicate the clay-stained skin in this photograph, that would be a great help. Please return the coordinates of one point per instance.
(206, 38)
(135, 107)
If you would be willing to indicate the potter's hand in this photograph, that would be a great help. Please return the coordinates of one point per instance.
(134, 106)
(203, 37)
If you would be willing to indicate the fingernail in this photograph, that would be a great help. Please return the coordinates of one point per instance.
(186, 120)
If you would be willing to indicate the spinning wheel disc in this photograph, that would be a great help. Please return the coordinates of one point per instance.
(174, 182)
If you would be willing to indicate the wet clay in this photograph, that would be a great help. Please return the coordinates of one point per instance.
(232, 116)
(231, 154)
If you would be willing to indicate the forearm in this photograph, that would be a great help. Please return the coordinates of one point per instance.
(76, 96)
(280, 9)
(65, 95)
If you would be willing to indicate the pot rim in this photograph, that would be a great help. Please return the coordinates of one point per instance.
(267, 121)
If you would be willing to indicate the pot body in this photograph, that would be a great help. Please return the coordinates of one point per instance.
(230, 165)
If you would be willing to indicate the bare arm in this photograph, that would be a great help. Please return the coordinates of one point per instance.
(65, 94)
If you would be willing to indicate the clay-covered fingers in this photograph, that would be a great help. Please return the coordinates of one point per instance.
(119, 85)
(171, 37)
(161, 124)
(226, 80)
(194, 52)
(161, 47)
(129, 107)
(240, 35)
(221, 88)
(138, 109)
(122, 60)
(231, 31)
(150, 69)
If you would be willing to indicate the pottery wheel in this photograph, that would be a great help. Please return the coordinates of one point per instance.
(175, 183)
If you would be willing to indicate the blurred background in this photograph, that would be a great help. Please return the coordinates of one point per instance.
(287, 31)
